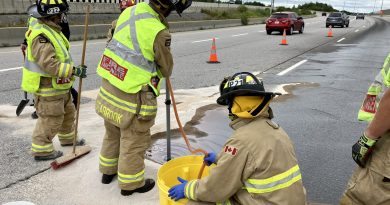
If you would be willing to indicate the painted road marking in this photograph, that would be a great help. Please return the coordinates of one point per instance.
(340, 40)
(261, 31)
(5, 52)
(9, 69)
(241, 34)
(17, 51)
(292, 67)
(357, 30)
(103, 42)
(210, 39)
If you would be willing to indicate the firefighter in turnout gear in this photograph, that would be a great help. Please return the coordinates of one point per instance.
(33, 11)
(370, 182)
(132, 68)
(257, 164)
(123, 4)
(48, 74)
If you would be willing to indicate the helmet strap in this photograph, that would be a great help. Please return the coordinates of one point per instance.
(266, 101)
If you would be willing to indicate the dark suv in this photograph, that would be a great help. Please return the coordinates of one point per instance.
(360, 16)
(337, 19)
(288, 21)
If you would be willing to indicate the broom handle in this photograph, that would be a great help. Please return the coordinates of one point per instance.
(81, 79)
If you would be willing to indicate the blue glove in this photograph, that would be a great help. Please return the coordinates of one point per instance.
(177, 191)
(210, 158)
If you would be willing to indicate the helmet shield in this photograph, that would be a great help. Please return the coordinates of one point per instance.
(181, 5)
(33, 11)
(241, 84)
(50, 8)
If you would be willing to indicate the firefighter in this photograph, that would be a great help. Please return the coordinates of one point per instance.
(370, 182)
(123, 4)
(257, 164)
(33, 11)
(132, 68)
(48, 74)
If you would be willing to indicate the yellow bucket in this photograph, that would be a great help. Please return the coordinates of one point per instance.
(186, 167)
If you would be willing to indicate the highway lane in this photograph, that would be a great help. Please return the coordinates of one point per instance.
(252, 51)
(319, 115)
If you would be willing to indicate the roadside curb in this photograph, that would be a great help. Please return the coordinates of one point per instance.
(100, 30)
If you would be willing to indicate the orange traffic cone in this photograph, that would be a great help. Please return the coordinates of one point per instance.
(213, 55)
(284, 39)
(330, 33)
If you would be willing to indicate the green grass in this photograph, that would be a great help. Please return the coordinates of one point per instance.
(241, 12)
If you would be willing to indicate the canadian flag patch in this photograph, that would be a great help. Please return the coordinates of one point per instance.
(231, 150)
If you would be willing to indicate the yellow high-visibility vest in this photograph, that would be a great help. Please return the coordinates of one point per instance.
(375, 93)
(32, 72)
(128, 60)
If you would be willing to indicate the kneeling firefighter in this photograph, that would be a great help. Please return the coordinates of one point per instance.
(133, 65)
(48, 74)
(257, 164)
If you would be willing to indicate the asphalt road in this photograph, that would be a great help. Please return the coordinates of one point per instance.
(320, 114)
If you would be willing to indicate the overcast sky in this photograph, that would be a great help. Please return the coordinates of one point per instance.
(350, 5)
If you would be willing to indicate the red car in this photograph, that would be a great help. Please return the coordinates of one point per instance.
(285, 20)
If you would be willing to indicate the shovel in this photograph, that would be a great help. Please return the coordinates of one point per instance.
(25, 101)
(22, 104)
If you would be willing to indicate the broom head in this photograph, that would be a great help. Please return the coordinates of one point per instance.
(68, 158)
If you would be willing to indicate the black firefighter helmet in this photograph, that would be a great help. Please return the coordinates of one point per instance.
(241, 84)
(48, 8)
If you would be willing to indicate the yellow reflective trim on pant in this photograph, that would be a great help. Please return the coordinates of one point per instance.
(129, 178)
(42, 148)
(274, 183)
(225, 203)
(106, 162)
(50, 92)
(148, 110)
(189, 190)
(66, 136)
(119, 103)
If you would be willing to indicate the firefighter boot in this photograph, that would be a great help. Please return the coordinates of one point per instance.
(34, 115)
(78, 143)
(106, 178)
(53, 155)
(149, 184)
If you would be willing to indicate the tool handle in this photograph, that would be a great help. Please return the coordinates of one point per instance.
(81, 79)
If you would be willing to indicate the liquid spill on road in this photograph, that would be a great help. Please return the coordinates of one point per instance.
(208, 129)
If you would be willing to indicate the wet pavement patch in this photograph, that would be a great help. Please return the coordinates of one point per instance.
(208, 129)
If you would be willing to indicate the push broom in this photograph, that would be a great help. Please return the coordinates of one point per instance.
(80, 150)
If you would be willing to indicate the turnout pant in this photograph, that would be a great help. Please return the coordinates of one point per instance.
(56, 116)
(123, 152)
(371, 185)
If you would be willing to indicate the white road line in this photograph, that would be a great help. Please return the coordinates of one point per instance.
(357, 30)
(4, 52)
(17, 51)
(9, 69)
(261, 31)
(210, 39)
(340, 40)
(90, 43)
(292, 67)
(241, 34)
